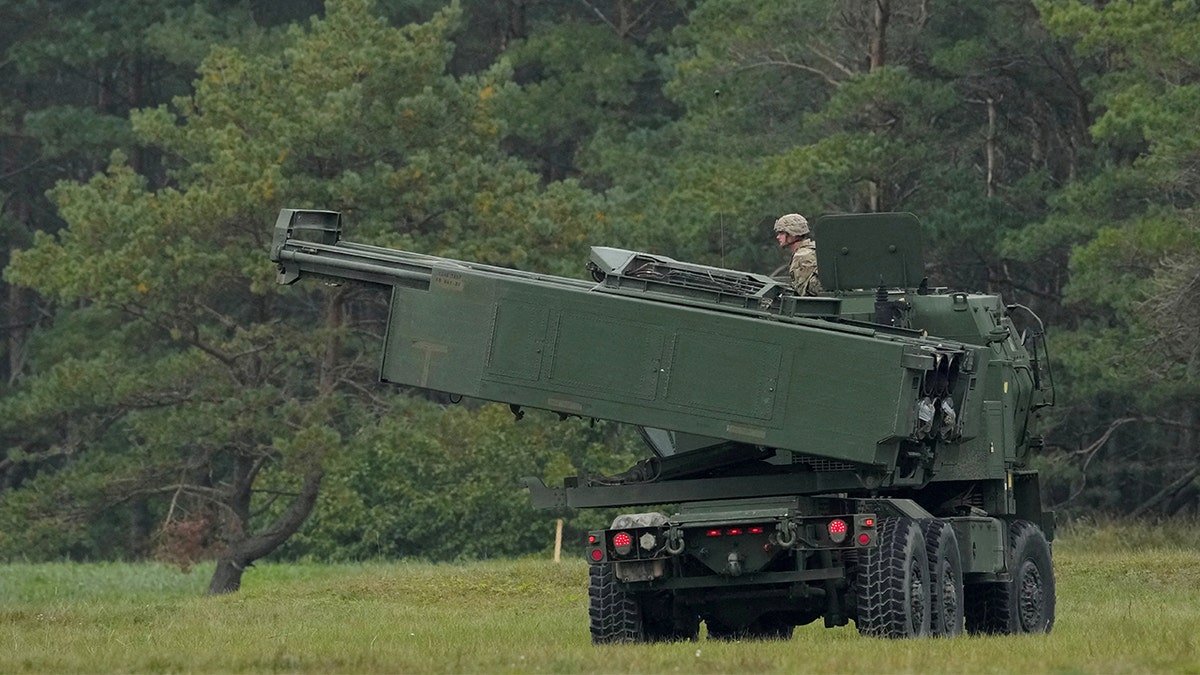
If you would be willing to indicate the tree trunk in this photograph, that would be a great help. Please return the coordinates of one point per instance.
(18, 316)
(1166, 494)
(878, 48)
(242, 553)
(515, 29)
(1183, 501)
(991, 147)
(16, 328)
(242, 549)
(227, 578)
(334, 318)
(140, 526)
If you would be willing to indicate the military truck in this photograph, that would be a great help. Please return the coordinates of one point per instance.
(858, 456)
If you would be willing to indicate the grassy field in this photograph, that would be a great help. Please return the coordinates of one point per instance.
(1127, 603)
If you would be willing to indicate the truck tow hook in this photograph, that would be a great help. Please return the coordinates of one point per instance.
(787, 534)
(734, 567)
(674, 544)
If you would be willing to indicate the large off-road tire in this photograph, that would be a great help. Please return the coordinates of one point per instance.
(615, 616)
(618, 616)
(892, 583)
(945, 578)
(1025, 604)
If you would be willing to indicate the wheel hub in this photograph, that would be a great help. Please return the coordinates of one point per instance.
(916, 596)
(1029, 597)
(949, 596)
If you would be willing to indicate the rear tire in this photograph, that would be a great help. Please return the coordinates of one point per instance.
(945, 578)
(1025, 604)
(892, 584)
(616, 615)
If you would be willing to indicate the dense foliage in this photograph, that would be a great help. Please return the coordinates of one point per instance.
(159, 395)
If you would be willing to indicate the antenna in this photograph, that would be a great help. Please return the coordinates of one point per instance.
(720, 127)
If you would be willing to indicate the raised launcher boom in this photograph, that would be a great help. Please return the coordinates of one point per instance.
(830, 458)
(741, 388)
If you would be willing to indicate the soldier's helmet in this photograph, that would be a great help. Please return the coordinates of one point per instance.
(792, 223)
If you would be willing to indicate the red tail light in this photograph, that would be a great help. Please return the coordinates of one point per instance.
(837, 530)
(734, 531)
(597, 555)
(864, 539)
(622, 543)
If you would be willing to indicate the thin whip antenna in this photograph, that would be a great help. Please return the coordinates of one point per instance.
(722, 239)
(720, 138)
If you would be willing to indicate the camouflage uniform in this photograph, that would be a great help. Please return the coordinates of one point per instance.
(803, 269)
(803, 266)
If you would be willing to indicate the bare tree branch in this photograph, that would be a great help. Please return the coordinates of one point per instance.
(827, 57)
(1090, 452)
(1167, 492)
(599, 14)
(791, 64)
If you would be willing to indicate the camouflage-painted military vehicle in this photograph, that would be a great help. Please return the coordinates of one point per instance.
(855, 456)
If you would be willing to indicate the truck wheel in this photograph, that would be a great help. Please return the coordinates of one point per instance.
(892, 584)
(618, 616)
(615, 616)
(945, 578)
(1026, 603)
(1032, 571)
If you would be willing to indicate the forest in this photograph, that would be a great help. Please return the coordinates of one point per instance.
(161, 397)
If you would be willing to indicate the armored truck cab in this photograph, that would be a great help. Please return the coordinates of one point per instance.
(860, 455)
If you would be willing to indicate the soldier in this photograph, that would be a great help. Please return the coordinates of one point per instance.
(792, 233)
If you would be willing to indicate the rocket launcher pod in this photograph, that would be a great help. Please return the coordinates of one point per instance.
(855, 456)
(729, 374)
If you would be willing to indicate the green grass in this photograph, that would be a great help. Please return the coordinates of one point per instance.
(1120, 610)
